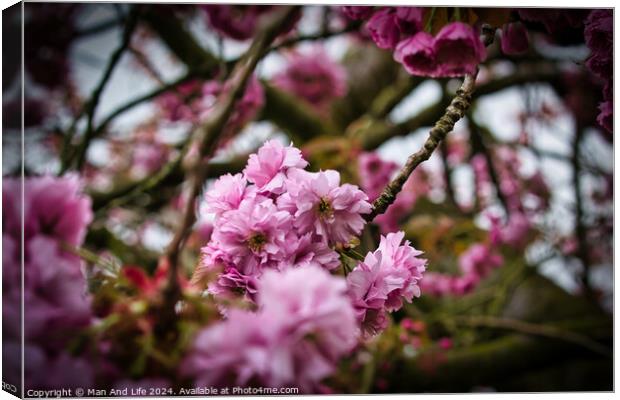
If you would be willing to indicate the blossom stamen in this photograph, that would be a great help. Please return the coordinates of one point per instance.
(256, 242)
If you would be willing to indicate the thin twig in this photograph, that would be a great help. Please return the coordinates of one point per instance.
(454, 112)
(91, 106)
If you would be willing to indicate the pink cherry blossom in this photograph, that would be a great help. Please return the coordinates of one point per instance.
(390, 25)
(458, 50)
(252, 236)
(56, 302)
(313, 77)
(383, 28)
(385, 277)
(225, 194)
(357, 12)
(417, 54)
(305, 251)
(54, 207)
(304, 324)
(323, 206)
(231, 352)
(374, 173)
(269, 166)
(368, 291)
(479, 260)
(398, 258)
(232, 281)
(514, 39)
(605, 117)
(183, 103)
(409, 19)
(515, 232)
(316, 324)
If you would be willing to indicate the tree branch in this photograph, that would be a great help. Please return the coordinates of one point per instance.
(208, 140)
(454, 112)
(91, 106)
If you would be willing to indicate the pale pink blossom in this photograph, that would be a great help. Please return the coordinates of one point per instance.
(269, 166)
(303, 326)
(385, 277)
(253, 235)
(323, 206)
(56, 207)
(304, 251)
(225, 194)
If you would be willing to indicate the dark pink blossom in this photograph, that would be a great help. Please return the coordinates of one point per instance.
(599, 30)
(357, 12)
(313, 77)
(383, 28)
(409, 19)
(417, 54)
(458, 50)
(606, 116)
(235, 21)
(323, 206)
(514, 39)
(226, 194)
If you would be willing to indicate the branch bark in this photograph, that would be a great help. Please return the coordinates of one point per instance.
(455, 111)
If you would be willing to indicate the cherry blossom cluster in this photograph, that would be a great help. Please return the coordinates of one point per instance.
(304, 324)
(379, 284)
(275, 234)
(55, 301)
(454, 51)
(276, 214)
